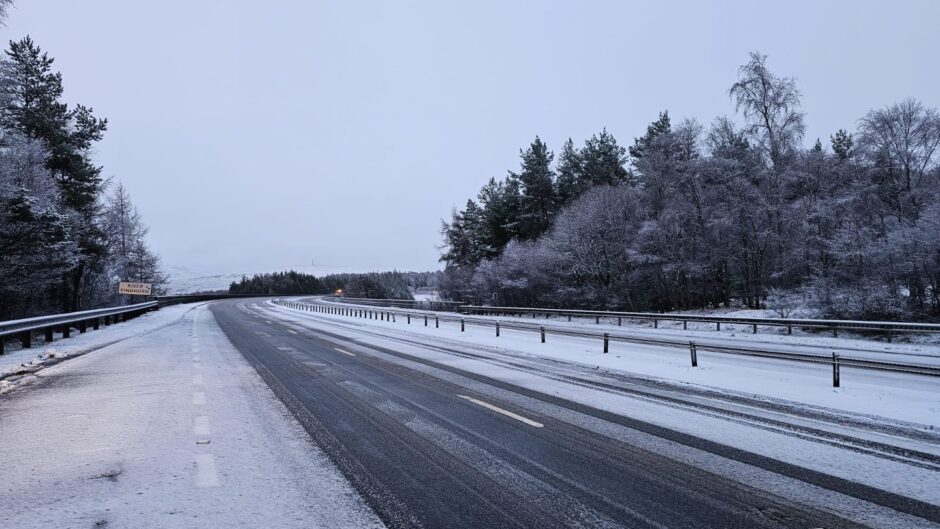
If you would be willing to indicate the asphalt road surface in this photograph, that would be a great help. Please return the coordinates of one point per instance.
(434, 451)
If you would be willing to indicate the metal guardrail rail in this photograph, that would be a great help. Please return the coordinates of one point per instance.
(598, 315)
(605, 338)
(886, 327)
(83, 320)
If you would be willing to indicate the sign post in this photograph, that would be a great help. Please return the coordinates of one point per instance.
(134, 289)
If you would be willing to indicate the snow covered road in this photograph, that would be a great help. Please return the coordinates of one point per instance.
(170, 428)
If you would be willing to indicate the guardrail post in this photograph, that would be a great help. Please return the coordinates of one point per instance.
(497, 329)
(655, 323)
(694, 352)
(425, 320)
(461, 324)
(889, 336)
(835, 370)
(789, 329)
(82, 327)
(409, 318)
(437, 322)
(718, 323)
(755, 329)
(597, 320)
(2, 342)
(96, 323)
(48, 334)
(66, 330)
(685, 325)
(27, 339)
(569, 317)
(393, 317)
(542, 333)
(835, 332)
(606, 342)
(619, 321)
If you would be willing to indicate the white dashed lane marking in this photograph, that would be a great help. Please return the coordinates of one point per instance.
(507, 413)
(345, 352)
(201, 425)
(206, 475)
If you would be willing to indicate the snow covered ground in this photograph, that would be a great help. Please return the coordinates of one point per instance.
(168, 427)
(20, 363)
(183, 280)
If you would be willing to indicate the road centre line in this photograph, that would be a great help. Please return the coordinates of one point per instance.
(507, 413)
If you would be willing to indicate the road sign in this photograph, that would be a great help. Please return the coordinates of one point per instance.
(134, 289)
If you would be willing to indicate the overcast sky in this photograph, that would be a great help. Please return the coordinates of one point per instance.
(260, 135)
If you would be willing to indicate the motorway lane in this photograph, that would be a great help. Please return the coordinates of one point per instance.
(425, 452)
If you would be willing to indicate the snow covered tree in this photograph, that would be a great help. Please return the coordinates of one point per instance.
(537, 190)
(771, 106)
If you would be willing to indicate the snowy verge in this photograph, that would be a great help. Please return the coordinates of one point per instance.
(19, 364)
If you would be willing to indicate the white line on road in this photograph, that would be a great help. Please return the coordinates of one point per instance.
(201, 425)
(345, 352)
(292, 332)
(197, 380)
(507, 413)
(199, 398)
(267, 321)
(206, 475)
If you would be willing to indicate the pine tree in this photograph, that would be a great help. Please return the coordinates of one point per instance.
(842, 144)
(32, 105)
(568, 182)
(655, 129)
(603, 161)
(537, 188)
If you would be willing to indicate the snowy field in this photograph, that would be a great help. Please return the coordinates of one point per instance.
(183, 280)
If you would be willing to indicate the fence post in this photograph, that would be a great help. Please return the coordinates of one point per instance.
(497, 329)
(835, 370)
(542, 332)
(409, 318)
(425, 320)
(437, 322)
(606, 341)
(694, 352)
(461, 324)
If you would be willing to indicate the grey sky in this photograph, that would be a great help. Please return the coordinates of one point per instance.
(257, 135)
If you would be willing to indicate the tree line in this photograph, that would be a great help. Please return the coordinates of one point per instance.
(67, 234)
(690, 217)
(375, 285)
